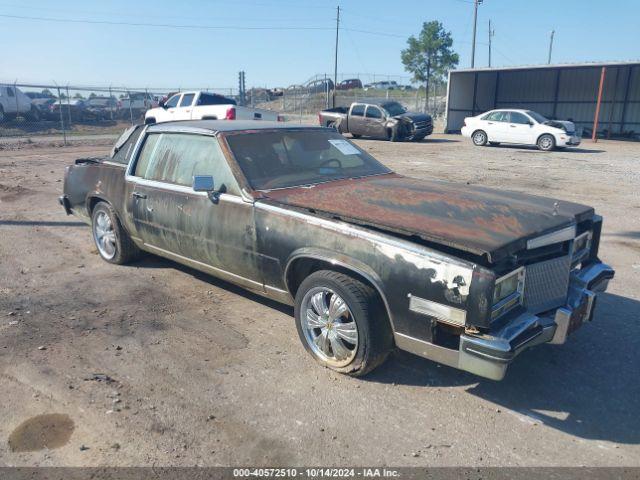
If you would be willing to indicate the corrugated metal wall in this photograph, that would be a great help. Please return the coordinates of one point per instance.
(565, 92)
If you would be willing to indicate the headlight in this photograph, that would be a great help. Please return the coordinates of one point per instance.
(508, 292)
(582, 246)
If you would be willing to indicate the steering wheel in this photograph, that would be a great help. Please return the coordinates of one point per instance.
(327, 162)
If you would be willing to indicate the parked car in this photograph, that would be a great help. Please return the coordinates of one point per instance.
(466, 276)
(101, 108)
(322, 85)
(138, 101)
(73, 109)
(386, 120)
(384, 85)
(43, 104)
(205, 106)
(524, 127)
(349, 84)
(13, 102)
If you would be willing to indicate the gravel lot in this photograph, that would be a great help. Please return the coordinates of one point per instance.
(156, 364)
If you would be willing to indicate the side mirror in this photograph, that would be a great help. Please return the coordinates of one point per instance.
(203, 183)
(530, 123)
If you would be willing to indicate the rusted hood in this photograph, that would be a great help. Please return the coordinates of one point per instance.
(474, 219)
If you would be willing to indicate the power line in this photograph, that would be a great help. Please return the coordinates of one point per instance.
(159, 25)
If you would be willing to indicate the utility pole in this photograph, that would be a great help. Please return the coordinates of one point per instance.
(491, 34)
(553, 32)
(475, 24)
(335, 62)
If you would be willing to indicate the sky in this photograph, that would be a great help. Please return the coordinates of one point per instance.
(203, 44)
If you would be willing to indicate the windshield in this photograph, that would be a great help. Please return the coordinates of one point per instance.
(394, 108)
(537, 117)
(288, 158)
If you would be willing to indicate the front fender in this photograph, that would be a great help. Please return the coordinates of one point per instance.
(343, 261)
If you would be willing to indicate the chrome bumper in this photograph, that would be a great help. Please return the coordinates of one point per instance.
(488, 355)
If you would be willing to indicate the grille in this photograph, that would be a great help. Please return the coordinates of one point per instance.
(422, 125)
(546, 284)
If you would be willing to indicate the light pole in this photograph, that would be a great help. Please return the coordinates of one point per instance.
(491, 34)
(475, 24)
(553, 32)
(335, 62)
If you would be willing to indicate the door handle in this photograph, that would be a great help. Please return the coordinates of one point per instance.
(512, 126)
(139, 195)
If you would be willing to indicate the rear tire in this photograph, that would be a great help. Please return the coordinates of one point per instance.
(546, 142)
(112, 241)
(479, 138)
(355, 135)
(363, 321)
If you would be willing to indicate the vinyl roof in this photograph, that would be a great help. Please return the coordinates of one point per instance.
(227, 125)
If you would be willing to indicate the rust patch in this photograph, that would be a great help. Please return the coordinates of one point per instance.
(474, 219)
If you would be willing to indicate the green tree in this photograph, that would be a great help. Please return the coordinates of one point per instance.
(429, 56)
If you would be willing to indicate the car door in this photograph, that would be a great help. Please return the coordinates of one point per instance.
(175, 221)
(357, 125)
(185, 109)
(521, 128)
(171, 110)
(495, 125)
(374, 119)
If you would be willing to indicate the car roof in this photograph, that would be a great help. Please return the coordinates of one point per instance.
(215, 126)
(521, 110)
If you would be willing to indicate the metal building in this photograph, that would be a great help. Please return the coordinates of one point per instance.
(563, 92)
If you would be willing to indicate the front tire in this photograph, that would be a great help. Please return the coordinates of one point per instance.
(341, 323)
(112, 241)
(479, 138)
(546, 142)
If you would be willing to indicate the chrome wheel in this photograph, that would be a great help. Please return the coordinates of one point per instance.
(104, 235)
(329, 327)
(479, 138)
(545, 143)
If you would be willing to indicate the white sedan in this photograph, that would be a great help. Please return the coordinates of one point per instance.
(522, 127)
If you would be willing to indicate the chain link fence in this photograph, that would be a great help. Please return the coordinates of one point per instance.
(73, 112)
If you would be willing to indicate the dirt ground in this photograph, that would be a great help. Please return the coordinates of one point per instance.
(156, 364)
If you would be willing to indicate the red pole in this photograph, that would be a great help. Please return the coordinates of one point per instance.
(594, 136)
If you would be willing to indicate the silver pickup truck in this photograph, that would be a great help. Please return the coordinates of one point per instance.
(386, 121)
(463, 275)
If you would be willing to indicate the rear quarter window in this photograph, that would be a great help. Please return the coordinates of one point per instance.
(123, 148)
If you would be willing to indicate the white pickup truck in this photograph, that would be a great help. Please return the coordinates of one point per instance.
(205, 106)
(14, 102)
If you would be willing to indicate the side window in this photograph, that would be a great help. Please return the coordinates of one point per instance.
(373, 112)
(173, 101)
(187, 100)
(177, 157)
(358, 110)
(497, 117)
(208, 99)
(124, 145)
(10, 92)
(520, 118)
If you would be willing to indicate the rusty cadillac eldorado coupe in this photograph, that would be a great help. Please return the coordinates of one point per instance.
(371, 260)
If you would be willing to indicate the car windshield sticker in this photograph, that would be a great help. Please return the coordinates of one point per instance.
(345, 147)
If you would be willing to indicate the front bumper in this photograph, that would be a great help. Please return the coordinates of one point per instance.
(64, 201)
(569, 141)
(488, 355)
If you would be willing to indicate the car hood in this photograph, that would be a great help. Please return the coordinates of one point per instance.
(478, 220)
(562, 125)
(415, 117)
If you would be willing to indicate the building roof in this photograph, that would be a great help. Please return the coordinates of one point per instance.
(549, 66)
